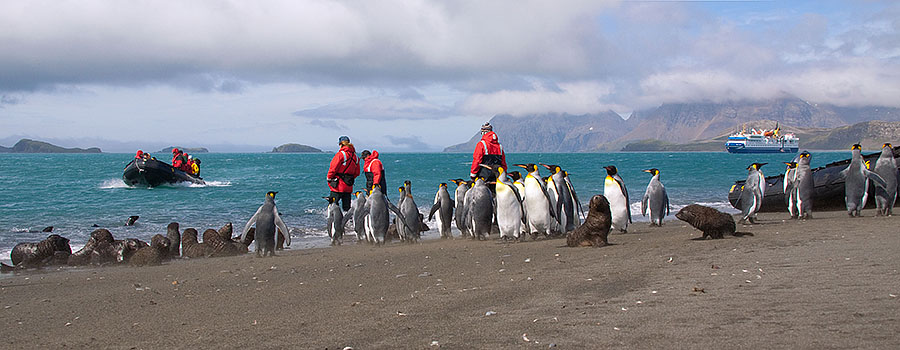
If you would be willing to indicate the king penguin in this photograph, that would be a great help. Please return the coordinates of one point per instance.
(266, 219)
(479, 210)
(408, 224)
(752, 193)
(655, 199)
(580, 214)
(359, 218)
(886, 167)
(856, 182)
(510, 215)
(615, 191)
(803, 188)
(788, 183)
(565, 205)
(335, 221)
(459, 197)
(541, 217)
(444, 207)
(518, 181)
(377, 216)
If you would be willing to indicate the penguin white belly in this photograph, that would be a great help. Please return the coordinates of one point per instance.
(509, 214)
(618, 206)
(537, 206)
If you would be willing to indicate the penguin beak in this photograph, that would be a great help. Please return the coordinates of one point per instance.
(521, 166)
(546, 166)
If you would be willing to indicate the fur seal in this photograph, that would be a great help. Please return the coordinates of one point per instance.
(191, 248)
(712, 222)
(595, 229)
(131, 220)
(54, 250)
(174, 239)
(155, 254)
(87, 254)
(122, 250)
(222, 247)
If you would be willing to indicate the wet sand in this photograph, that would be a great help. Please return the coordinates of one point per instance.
(827, 283)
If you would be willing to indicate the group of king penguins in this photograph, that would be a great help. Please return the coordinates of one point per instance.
(799, 188)
(513, 204)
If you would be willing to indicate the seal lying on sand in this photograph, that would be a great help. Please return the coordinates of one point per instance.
(155, 254)
(595, 229)
(191, 248)
(122, 250)
(222, 247)
(54, 250)
(712, 222)
(87, 255)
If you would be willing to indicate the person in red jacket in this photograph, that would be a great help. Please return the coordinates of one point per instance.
(488, 151)
(177, 158)
(373, 169)
(342, 172)
(139, 155)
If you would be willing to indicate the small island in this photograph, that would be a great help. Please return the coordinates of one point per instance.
(188, 150)
(32, 146)
(295, 148)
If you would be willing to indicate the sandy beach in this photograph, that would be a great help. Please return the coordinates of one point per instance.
(827, 283)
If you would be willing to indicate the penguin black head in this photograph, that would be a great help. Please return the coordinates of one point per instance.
(515, 175)
(271, 194)
(756, 166)
(855, 147)
(442, 185)
(887, 144)
(653, 171)
(791, 165)
(804, 154)
(329, 199)
(553, 168)
(400, 189)
(530, 167)
(611, 170)
(357, 193)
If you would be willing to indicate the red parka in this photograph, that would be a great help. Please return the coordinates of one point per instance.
(489, 144)
(373, 165)
(346, 164)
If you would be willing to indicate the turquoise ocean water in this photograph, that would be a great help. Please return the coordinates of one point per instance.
(72, 192)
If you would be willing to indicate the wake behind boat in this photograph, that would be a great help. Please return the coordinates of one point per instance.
(152, 173)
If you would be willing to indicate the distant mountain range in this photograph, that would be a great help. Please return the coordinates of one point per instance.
(693, 126)
(32, 146)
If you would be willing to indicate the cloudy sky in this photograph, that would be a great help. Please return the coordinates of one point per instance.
(412, 75)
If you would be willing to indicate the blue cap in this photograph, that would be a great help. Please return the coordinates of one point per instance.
(344, 138)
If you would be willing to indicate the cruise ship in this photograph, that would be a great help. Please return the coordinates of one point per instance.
(762, 141)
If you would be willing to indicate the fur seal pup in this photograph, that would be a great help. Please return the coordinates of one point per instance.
(87, 254)
(712, 222)
(155, 254)
(131, 220)
(174, 239)
(595, 229)
(221, 247)
(122, 250)
(53, 250)
(191, 248)
(266, 219)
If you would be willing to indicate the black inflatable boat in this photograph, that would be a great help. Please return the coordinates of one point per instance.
(827, 182)
(152, 173)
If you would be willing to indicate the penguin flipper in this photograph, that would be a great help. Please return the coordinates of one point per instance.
(347, 217)
(280, 225)
(250, 222)
(434, 209)
(877, 179)
(644, 203)
(625, 193)
(666, 199)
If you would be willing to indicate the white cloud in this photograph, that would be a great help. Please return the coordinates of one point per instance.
(572, 98)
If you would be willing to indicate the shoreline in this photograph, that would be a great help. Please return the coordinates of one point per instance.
(829, 282)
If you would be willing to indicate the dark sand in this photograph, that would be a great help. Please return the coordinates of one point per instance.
(828, 283)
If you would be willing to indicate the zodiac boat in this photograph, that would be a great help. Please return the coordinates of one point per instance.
(152, 173)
